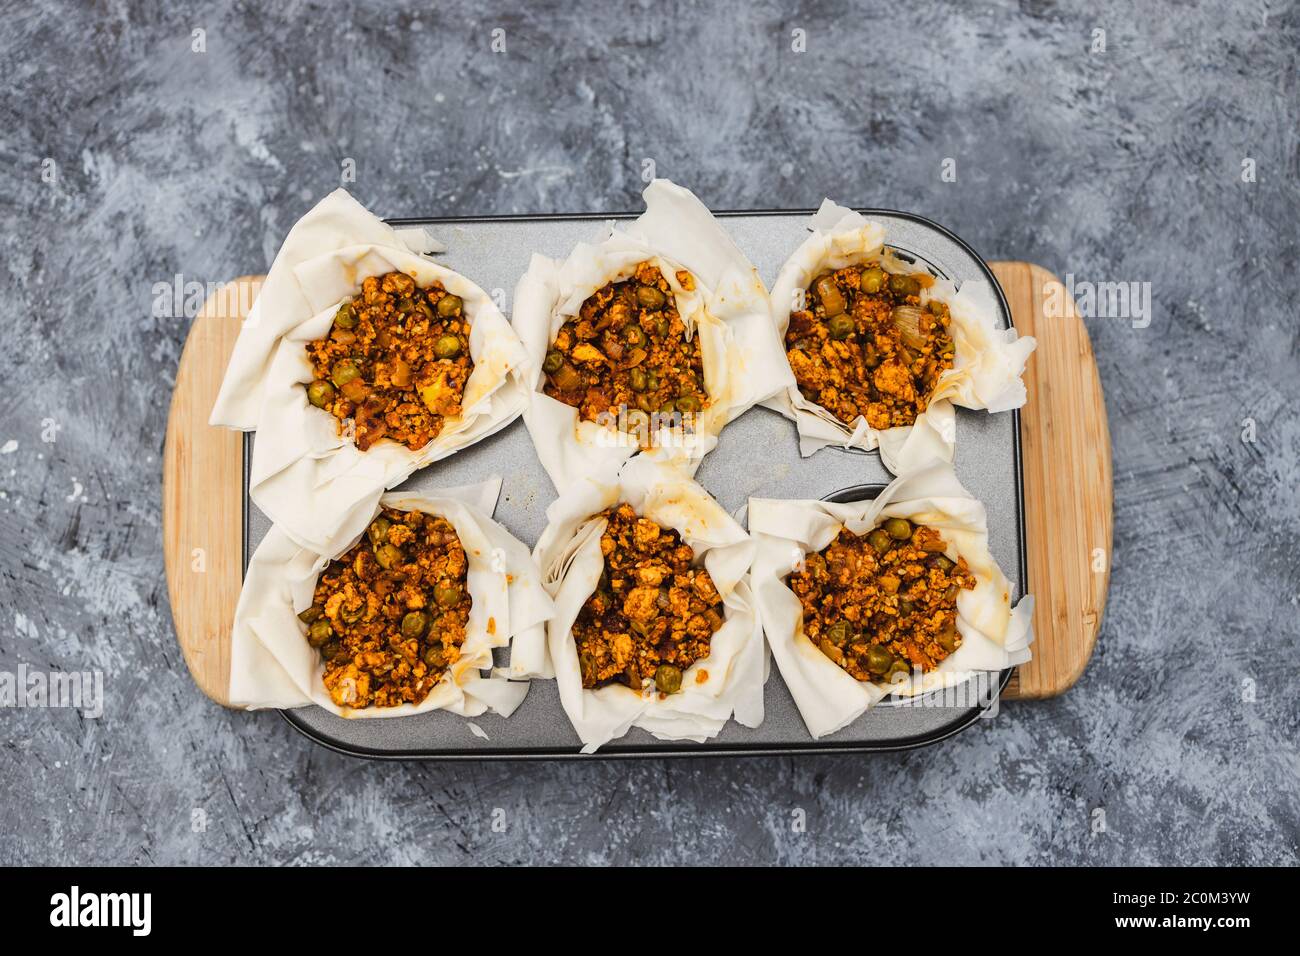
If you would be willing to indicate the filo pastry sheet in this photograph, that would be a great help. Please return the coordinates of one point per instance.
(727, 309)
(729, 681)
(307, 476)
(988, 363)
(996, 630)
(272, 665)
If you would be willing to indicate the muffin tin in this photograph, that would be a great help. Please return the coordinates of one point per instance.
(757, 455)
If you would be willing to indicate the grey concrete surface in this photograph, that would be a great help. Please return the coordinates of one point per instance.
(1122, 164)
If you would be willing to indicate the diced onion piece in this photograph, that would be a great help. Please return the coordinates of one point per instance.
(907, 319)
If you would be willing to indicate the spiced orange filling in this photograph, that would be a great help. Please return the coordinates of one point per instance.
(885, 602)
(653, 613)
(864, 345)
(626, 356)
(389, 616)
(395, 361)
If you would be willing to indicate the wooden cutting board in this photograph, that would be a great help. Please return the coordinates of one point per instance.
(1067, 471)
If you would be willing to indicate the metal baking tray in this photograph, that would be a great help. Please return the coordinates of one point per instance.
(757, 455)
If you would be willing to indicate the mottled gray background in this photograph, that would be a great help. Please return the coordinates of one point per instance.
(1117, 165)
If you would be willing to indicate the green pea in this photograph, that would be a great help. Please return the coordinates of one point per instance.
(414, 624)
(948, 640)
(320, 393)
(943, 562)
(898, 667)
(840, 633)
(551, 364)
(872, 280)
(638, 379)
(661, 326)
(319, 633)
(652, 381)
(447, 346)
(405, 305)
(378, 531)
(879, 659)
(345, 371)
(648, 297)
(904, 285)
(840, 326)
(346, 316)
(668, 678)
(634, 335)
(449, 305)
(668, 407)
(689, 404)
(350, 615)
(389, 556)
(447, 596)
(900, 529)
(879, 539)
(435, 657)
